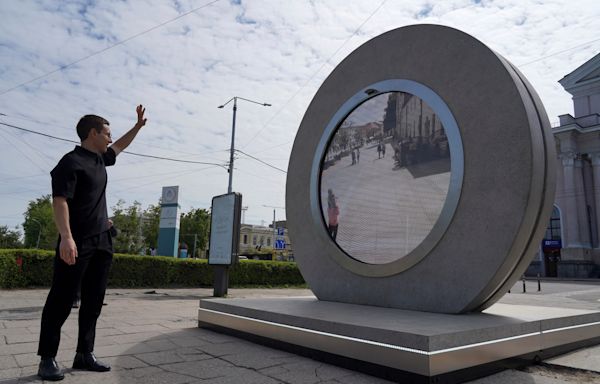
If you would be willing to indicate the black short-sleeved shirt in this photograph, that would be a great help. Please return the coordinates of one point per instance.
(80, 176)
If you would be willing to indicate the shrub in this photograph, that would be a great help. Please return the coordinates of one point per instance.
(21, 268)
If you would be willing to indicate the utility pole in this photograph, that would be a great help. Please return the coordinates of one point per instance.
(232, 147)
(274, 224)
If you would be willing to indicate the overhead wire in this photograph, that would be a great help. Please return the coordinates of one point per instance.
(315, 73)
(128, 152)
(61, 68)
(260, 161)
(22, 153)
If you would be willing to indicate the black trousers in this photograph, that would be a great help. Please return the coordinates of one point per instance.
(91, 272)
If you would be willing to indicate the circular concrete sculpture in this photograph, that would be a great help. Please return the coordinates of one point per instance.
(422, 175)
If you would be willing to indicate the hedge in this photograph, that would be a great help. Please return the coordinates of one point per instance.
(20, 268)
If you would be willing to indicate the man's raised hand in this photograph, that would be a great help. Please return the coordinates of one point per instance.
(141, 121)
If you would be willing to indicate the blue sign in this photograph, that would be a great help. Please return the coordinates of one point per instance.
(551, 243)
(279, 244)
(280, 231)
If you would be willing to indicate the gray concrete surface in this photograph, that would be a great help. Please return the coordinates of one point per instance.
(153, 338)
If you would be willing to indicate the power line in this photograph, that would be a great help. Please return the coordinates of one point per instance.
(260, 161)
(315, 73)
(130, 153)
(558, 53)
(107, 48)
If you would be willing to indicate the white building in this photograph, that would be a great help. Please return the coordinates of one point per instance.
(571, 245)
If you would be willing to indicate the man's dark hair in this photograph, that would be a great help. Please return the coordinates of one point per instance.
(87, 122)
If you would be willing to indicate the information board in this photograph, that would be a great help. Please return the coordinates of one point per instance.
(225, 229)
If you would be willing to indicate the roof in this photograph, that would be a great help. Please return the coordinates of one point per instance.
(585, 74)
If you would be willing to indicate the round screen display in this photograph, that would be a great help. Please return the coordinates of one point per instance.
(385, 177)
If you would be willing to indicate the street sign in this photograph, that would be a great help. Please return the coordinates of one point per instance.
(280, 231)
(279, 244)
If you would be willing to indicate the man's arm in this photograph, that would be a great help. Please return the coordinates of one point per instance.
(68, 249)
(124, 141)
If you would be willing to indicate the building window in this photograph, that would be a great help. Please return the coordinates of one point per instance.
(553, 230)
(245, 239)
(268, 241)
(254, 240)
(262, 240)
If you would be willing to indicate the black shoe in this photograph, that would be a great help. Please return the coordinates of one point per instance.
(49, 370)
(87, 361)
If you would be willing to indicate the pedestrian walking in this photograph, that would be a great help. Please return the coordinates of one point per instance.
(84, 250)
(333, 212)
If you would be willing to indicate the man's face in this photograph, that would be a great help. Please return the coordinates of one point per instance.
(103, 139)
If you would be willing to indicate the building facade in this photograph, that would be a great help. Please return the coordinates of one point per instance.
(260, 242)
(571, 246)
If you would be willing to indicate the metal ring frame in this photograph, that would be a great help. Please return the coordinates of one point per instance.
(456, 174)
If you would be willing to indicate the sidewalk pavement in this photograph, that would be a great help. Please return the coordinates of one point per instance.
(151, 336)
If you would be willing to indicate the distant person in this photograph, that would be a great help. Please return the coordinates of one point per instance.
(152, 251)
(85, 250)
(383, 149)
(357, 155)
(353, 157)
(379, 151)
(333, 211)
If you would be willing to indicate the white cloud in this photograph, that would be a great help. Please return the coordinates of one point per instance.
(268, 51)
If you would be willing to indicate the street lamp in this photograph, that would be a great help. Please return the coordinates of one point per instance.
(39, 232)
(232, 149)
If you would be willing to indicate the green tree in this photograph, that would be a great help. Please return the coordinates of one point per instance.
(9, 238)
(39, 223)
(127, 220)
(194, 229)
(150, 226)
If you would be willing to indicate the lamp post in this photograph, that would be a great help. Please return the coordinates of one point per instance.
(222, 270)
(37, 245)
(232, 148)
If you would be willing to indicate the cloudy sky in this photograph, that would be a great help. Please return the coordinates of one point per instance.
(181, 59)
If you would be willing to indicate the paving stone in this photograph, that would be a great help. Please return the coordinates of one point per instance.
(16, 331)
(176, 354)
(164, 378)
(204, 369)
(7, 362)
(23, 338)
(230, 348)
(242, 376)
(108, 331)
(141, 328)
(143, 372)
(187, 341)
(588, 358)
(21, 323)
(160, 358)
(305, 372)
(10, 373)
(135, 337)
(27, 359)
(513, 376)
(11, 349)
(359, 378)
(124, 362)
(258, 360)
(214, 337)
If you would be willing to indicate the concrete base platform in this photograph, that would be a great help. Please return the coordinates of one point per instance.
(428, 347)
